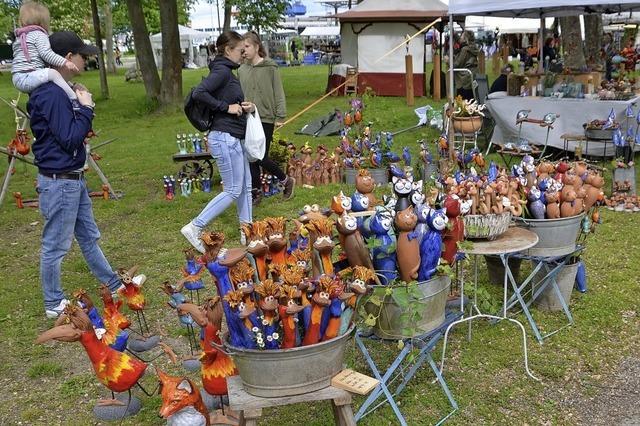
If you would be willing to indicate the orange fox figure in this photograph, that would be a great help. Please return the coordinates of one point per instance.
(181, 401)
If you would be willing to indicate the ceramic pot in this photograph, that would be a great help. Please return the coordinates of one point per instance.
(467, 125)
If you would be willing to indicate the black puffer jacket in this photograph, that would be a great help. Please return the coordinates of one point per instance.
(218, 90)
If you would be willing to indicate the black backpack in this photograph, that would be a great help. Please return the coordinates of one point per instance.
(198, 113)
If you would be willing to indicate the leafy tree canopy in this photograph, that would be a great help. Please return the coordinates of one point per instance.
(260, 15)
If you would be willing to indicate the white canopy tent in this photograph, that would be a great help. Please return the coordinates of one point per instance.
(527, 9)
(190, 40)
(333, 31)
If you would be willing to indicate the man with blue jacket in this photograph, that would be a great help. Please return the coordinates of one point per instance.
(59, 127)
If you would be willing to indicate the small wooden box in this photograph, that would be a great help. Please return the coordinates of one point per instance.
(354, 382)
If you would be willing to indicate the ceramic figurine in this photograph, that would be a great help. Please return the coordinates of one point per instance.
(118, 371)
(276, 240)
(242, 321)
(567, 207)
(131, 293)
(365, 185)
(380, 226)
(340, 204)
(536, 206)
(112, 309)
(192, 272)
(176, 298)
(331, 316)
(553, 205)
(578, 206)
(594, 190)
(319, 302)
(408, 246)
(256, 234)
(321, 231)
(269, 293)
(402, 188)
(181, 401)
(431, 245)
(455, 232)
(111, 334)
(352, 243)
(216, 365)
(417, 196)
(359, 278)
(288, 311)
(422, 212)
(302, 259)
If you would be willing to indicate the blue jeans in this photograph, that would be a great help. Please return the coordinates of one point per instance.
(236, 179)
(66, 208)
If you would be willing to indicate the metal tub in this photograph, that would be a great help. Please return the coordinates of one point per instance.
(380, 175)
(283, 372)
(435, 291)
(556, 237)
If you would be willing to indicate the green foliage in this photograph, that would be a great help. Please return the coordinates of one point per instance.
(43, 369)
(260, 15)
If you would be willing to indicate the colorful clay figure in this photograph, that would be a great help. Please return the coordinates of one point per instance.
(331, 316)
(359, 278)
(380, 226)
(181, 401)
(417, 196)
(268, 302)
(118, 371)
(553, 205)
(112, 308)
(242, 321)
(255, 234)
(216, 366)
(455, 231)
(422, 212)
(288, 310)
(352, 242)
(276, 239)
(192, 272)
(536, 206)
(131, 293)
(431, 245)
(107, 329)
(402, 187)
(242, 279)
(319, 302)
(322, 233)
(359, 203)
(301, 258)
(365, 185)
(176, 298)
(340, 204)
(408, 246)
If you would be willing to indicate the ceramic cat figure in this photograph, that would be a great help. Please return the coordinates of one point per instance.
(553, 206)
(431, 246)
(408, 245)
(422, 212)
(359, 203)
(536, 206)
(402, 188)
(455, 232)
(594, 190)
(417, 195)
(353, 244)
(365, 185)
(380, 227)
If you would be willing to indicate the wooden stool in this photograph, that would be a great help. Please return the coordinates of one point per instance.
(579, 138)
(250, 407)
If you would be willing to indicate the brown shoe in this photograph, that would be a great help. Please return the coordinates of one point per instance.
(287, 193)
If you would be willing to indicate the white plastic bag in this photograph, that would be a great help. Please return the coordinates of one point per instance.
(254, 138)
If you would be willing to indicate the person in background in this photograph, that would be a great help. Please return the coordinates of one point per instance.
(629, 53)
(32, 53)
(500, 83)
(59, 129)
(221, 92)
(549, 50)
(608, 52)
(261, 84)
(118, 56)
(294, 50)
(467, 57)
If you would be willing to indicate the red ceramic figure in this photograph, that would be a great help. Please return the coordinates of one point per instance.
(455, 232)
(288, 311)
(181, 401)
(112, 308)
(131, 292)
(276, 239)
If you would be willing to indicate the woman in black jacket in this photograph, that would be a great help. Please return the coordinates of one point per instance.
(221, 92)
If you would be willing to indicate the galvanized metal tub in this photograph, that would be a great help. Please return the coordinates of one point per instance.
(284, 372)
(435, 291)
(548, 300)
(380, 175)
(556, 237)
(488, 226)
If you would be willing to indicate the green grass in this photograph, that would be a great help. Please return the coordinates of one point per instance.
(54, 384)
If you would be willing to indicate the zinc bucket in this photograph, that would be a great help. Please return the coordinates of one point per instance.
(548, 300)
(380, 175)
(284, 372)
(433, 302)
(556, 237)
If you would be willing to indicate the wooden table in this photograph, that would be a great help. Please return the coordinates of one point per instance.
(250, 406)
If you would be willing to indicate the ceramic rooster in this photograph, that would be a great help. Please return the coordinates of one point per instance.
(269, 293)
(182, 403)
(131, 292)
(192, 272)
(112, 308)
(113, 336)
(288, 311)
(118, 371)
(319, 302)
(276, 240)
(255, 234)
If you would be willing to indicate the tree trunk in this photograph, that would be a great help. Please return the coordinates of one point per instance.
(104, 88)
(572, 42)
(171, 91)
(593, 40)
(144, 53)
(108, 35)
(226, 26)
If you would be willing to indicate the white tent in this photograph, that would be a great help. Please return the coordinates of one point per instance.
(374, 27)
(333, 31)
(190, 40)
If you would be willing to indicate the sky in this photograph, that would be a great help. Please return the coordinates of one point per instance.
(203, 13)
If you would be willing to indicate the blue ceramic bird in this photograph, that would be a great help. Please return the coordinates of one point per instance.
(628, 111)
(406, 156)
(375, 158)
(389, 140)
(610, 120)
(380, 227)
(392, 157)
(536, 206)
(397, 171)
(431, 244)
(493, 172)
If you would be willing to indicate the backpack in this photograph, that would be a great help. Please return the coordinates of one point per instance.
(197, 113)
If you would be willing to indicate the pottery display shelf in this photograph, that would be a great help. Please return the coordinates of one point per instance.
(513, 241)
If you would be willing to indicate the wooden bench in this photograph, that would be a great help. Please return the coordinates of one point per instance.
(250, 406)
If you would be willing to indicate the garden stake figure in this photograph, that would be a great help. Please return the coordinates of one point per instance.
(256, 234)
(131, 292)
(319, 302)
(322, 237)
(112, 308)
(380, 226)
(107, 329)
(216, 366)
(269, 293)
(242, 321)
(118, 371)
(358, 279)
(242, 279)
(192, 272)
(431, 244)
(288, 309)
(176, 298)
(276, 240)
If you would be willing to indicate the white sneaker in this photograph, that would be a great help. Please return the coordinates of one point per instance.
(192, 233)
(243, 238)
(55, 312)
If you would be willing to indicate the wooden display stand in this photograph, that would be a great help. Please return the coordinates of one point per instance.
(250, 407)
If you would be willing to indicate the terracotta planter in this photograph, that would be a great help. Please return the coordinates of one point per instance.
(467, 125)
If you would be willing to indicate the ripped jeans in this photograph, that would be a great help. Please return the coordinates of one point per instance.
(233, 165)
